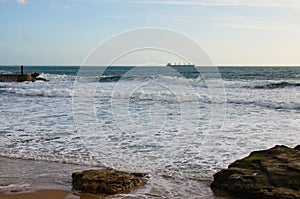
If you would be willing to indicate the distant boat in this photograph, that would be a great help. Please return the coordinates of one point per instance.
(180, 65)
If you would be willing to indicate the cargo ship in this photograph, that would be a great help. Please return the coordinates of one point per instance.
(180, 65)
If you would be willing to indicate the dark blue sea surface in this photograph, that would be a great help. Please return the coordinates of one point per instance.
(228, 73)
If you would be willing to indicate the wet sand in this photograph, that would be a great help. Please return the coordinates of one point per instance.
(31, 179)
(48, 194)
(42, 194)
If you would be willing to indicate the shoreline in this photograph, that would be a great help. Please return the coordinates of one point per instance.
(45, 194)
(35, 179)
(32, 179)
(48, 194)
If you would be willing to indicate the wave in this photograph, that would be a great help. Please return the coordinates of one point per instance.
(39, 92)
(112, 78)
(268, 105)
(5, 72)
(144, 78)
(160, 79)
(276, 85)
(166, 96)
(13, 187)
(114, 86)
(116, 78)
(57, 77)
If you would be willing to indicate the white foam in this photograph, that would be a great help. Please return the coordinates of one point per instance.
(13, 188)
(137, 120)
(5, 72)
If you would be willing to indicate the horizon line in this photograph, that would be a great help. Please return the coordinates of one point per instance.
(132, 65)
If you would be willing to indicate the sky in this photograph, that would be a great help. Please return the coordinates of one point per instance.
(232, 32)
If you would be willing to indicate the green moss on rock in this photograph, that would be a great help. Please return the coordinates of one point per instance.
(272, 173)
(255, 156)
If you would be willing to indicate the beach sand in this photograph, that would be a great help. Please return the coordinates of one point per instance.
(31, 179)
(41, 194)
(48, 194)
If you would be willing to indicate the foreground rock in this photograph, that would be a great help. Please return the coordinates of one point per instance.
(272, 173)
(106, 181)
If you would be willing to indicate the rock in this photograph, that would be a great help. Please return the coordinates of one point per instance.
(297, 147)
(106, 181)
(266, 174)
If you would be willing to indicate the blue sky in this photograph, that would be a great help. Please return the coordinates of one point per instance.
(233, 32)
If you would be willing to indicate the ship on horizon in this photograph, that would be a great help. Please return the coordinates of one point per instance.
(180, 65)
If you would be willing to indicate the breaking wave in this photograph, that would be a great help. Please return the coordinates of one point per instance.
(276, 85)
(139, 95)
(5, 72)
(268, 104)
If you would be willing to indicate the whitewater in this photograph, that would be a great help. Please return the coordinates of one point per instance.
(173, 125)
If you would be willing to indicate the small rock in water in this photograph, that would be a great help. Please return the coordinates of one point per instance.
(106, 181)
(267, 174)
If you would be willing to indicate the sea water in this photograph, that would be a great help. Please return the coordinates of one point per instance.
(180, 124)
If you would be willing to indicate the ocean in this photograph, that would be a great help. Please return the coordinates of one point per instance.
(179, 124)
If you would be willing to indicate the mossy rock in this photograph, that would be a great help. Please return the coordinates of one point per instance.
(272, 173)
(106, 181)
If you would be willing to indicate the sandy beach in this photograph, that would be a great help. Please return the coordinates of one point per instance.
(29, 179)
(48, 194)
(35, 179)
(45, 194)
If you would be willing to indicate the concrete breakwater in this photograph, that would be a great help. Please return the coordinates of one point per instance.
(15, 77)
(21, 77)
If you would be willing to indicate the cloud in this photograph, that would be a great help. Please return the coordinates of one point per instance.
(30, 38)
(26, 36)
(55, 5)
(263, 26)
(18, 1)
(66, 6)
(22, 1)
